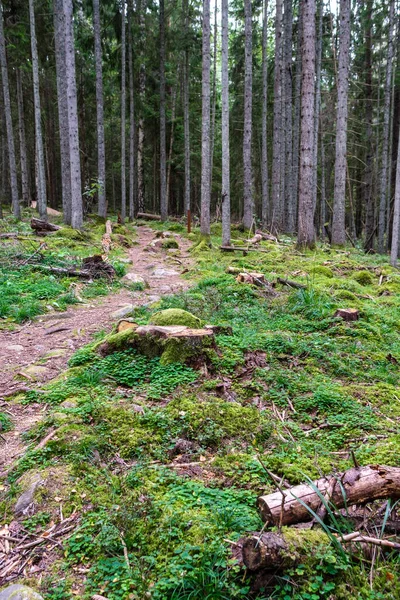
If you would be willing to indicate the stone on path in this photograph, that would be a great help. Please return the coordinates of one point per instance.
(133, 278)
(15, 348)
(34, 373)
(122, 312)
(19, 592)
(159, 272)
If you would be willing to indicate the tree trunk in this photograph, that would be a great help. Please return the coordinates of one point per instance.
(297, 102)
(132, 124)
(142, 89)
(123, 115)
(163, 151)
(288, 113)
(306, 235)
(357, 486)
(171, 139)
(8, 119)
(277, 200)
(26, 194)
(75, 172)
(59, 40)
(383, 182)
(396, 213)
(205, 124)
(214, 94)
(339, 203)
(323, 190)
(368, 171)
(41, 174)
(226, 194)
(101, 152)
(317, 100)
(248, 202)
(264, 132)
(186, 123)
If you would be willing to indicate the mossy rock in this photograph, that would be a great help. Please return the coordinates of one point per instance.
(363, 278)
(169, 243)
(116, 341)
(322, 270)
(175, 316)
(345, 295)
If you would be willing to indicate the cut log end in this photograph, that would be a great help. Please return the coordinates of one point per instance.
(347, 314)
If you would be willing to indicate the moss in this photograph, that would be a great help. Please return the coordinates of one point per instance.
(175, 316)
(169, 243)
(305, 541)
(322, 270)
(116, 341)
(363, 277)
(183, 349)
(203, 243)
(345, 295)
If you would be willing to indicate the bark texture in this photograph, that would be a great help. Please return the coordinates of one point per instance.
(142, 89)
(248, 202)
(101, 150)
(186, 122)
(205, 125)
(26, 194)
(368, 169)
(132, 123)
(339, 202)
(306, 235)
(123, 115)
(226, 195)
(396, 214)
(289, 224)
(163, 151)
(264, 132)
(277, 215)
(360, 485)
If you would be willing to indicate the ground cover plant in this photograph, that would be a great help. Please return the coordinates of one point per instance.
(163, 464)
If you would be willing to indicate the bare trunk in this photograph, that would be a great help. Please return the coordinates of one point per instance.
(186, 123)
(75, 172)
(288, 112)
(214, 93)
(205, 123)
(123, 115)
(132, 124)
(306, 235)
(339, 203)
(59, 40)
(142, 89)
(163, 151)
(226, 195)
(41, 174)
(368, 171)
(101, 152)
(9, 125)
(264, 132)
(396, 214)
(297, 101)
(383, 183)
(171, 140)
(317, 99)
(26, 194)
(248, 202)
(277, 200)
(323, 190)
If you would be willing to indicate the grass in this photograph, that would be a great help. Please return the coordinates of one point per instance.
(293, 385)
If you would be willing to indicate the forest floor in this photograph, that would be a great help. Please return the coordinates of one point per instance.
(133, 479)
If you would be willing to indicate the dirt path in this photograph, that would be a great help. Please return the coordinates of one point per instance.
(39, 350)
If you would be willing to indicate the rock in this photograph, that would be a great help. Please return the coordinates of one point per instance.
(26, 499)
(347, 314)
(56, 353)
(153, 299)
(158, 272)
(19, 592)
(134, 279)
(175, 316)
(34, 372)
(15, 348)
(122, 312)
(69, 404)
(126, 261)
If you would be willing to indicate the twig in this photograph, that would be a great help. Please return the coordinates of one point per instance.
(42, 245)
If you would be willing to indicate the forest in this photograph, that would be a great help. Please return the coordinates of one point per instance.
(199, 299)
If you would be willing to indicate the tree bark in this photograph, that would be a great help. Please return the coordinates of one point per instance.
(339, 203)
(142, 90)
(59, 41)
(368, 170)
(383, 182)
(296, 120)
(26, 194)
(101, 153)
(396, 214)
(306, 235)
(317, 99)
(41, 174)
(75, 164)
(123, 114)
(214, 94)
(288, 112)
(264, 117)
(163, 151)
(248, 202)
(277, 215)
(8, 119)
(205, 124)
(226, 194)
(360, 485)
(186, 122)
(132, 123)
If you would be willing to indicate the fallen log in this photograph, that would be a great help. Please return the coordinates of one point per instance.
(67, 272)
(256, 239)
(241, 249)
(148, 216)
(358, 485)
(267, 236)
(266, 551)
(40, 225)
(292, 284)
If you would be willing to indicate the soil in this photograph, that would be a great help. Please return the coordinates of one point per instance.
(39, 350)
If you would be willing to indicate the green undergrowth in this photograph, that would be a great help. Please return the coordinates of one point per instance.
(29, 290)
(293, 391)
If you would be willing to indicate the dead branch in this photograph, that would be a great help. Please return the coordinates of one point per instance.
(292, 284)
(39, 225)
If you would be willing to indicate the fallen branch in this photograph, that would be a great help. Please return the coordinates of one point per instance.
(356, 536)
(40, 225)
(67, 272)
(358, 486)
(292, 284)
(241, 249)
(148, 216)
